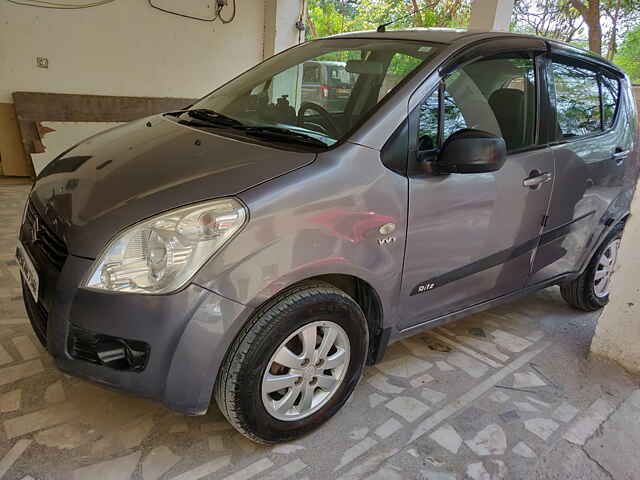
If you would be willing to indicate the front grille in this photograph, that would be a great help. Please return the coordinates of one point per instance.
(46, 241)
(38, 316)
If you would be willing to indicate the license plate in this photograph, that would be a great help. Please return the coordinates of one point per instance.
(29, 272)
(343, 91)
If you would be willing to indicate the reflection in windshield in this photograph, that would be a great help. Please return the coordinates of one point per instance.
(320, 90)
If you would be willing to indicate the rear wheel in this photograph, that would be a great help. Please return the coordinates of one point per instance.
(294, 365)
(590, 291)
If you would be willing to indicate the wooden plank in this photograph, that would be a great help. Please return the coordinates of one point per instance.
(13, 160)
(35, 107)
(64, 107)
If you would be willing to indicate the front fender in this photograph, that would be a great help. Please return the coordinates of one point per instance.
(314, 222)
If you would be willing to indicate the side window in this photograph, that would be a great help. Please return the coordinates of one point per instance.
(497, 95)
(610, 94)
(577, 99)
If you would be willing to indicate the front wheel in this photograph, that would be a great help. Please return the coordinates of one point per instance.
(590, 291)
(294, 365)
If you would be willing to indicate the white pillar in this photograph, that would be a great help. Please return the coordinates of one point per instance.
(617, 335)
(280, 32)
(491, 15)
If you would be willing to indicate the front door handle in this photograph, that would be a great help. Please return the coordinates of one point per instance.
(536, 178)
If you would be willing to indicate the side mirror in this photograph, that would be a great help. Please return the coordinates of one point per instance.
(471, 151)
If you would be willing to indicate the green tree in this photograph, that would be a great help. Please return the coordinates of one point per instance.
(628, 56)
(328, 17)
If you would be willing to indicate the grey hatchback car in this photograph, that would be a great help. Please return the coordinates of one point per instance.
(261, 250)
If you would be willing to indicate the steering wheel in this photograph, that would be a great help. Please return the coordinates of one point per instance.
(327, 121)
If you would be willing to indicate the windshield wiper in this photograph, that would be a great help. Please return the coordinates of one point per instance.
(283, 135)
(210, 118)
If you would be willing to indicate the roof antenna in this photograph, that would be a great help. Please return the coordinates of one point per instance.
(383, 27)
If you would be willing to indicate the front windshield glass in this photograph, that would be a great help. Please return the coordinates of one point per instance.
(317, 91)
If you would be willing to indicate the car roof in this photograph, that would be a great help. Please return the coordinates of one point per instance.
(451, 36)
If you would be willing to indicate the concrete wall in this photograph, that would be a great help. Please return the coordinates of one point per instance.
(127, 48)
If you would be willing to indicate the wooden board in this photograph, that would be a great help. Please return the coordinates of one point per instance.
(13, 161)
(32, 108)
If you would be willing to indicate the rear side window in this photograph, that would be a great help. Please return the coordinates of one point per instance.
(577, 99)
(610, 95)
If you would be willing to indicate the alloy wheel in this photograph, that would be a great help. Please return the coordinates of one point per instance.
(604, 268)
(305, 371)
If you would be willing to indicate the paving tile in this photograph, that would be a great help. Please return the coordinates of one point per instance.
(404, 367)
(205, 469)
(252, 470)
(287, 448)
(498, 396)
(587, 424)
(18, 372)
(526, 407)
(524, 450)
(467, 364)
(216, 443)
(47, 417)
(510, 342)
(565, 412)
(12, 455)
(447, 437)
(5, 357)
(117, 469)
(357, 450)
(159, 461)
(376, 399)
(491, 440)
(388, 428)
(55, 393)
(10, 401)
(421, 380)
(444, 366)
(67, 436)
(407, 407)
(541, 427)
(289, 470)
(527, 380)
(380, 382)
(25, 347)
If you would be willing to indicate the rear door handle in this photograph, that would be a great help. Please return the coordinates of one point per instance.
(536, 178)
(620, 155)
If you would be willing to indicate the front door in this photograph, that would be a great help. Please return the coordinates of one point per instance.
(471, 237)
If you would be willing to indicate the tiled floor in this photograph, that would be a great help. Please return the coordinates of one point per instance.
(497, 395)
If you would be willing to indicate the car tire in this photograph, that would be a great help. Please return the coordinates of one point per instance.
(583, 293)
(240, 387)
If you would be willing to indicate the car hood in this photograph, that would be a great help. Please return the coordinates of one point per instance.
(140, 169)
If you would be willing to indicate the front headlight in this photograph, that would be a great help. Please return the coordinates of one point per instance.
(161, 254)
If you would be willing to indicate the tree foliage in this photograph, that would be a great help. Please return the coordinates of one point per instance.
(328, 17)
(600, 25)
(628, 57)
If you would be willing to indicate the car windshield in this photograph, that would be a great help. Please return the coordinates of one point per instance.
(315, 93)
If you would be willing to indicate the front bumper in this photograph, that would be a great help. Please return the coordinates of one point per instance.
(187, 333)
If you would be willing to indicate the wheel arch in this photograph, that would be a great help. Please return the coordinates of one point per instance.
(369, 300)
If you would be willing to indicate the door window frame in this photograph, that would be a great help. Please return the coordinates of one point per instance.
(542, 102)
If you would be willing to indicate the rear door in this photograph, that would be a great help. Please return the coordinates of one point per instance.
(590, 151)
(471, 236)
